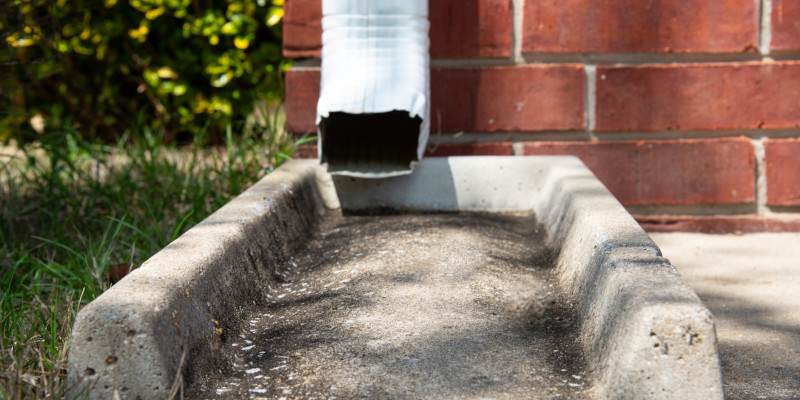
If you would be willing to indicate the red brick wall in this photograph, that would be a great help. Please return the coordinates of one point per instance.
(684, 109)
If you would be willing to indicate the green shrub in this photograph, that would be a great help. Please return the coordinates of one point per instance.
(105, 65)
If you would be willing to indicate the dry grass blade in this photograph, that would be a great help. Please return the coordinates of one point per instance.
(177, 385)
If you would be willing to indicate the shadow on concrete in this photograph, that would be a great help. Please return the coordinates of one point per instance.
(759, 353)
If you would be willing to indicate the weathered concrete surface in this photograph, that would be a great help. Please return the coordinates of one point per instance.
(129, 341)
(421, 306)
(644, 332)
(752, 285)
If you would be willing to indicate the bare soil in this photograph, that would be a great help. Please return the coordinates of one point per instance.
(409, 306)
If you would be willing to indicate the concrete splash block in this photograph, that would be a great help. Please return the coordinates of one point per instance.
(645, 333)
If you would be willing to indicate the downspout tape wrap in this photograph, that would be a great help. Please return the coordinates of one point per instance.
(373, 113)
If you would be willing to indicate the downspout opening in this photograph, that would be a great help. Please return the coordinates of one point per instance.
(373, 111)
(382, 144)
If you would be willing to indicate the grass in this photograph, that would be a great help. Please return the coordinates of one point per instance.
(75, 215)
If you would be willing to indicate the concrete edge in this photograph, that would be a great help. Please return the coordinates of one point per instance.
(129, 342)
(646, 334)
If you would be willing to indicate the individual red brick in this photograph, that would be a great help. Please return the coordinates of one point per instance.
(698, 96)
(662, 26)
(717, 224)
(302, 28)
(463, 29)
(302, 92)
(471, 28)
(711, 171)
(782, 161)
(525, 98)
(473, 99)
(785, 25)
(306, 151)
(469, 149)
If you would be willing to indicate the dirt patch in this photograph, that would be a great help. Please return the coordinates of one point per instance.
(409, 306)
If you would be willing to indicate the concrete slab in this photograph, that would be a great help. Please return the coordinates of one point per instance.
(752, 285)
(644, 332)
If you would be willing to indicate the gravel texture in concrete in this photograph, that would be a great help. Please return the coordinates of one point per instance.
(752, 285)
(410, 306)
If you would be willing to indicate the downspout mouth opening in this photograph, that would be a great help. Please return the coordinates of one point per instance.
(371, 144)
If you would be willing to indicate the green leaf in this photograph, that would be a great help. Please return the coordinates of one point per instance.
(179, 90)
(151, 77)
(274, 16)
(229, 29)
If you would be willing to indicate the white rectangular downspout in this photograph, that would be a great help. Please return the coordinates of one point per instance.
(373, 113)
